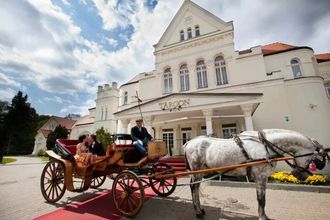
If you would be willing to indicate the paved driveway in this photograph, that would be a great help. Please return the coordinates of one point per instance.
(20, 198)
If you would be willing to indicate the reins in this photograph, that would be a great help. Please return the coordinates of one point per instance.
(276, 150)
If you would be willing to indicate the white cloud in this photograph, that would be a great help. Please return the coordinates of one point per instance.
(78, 109)
(112, 42)
(5, 80)
(7, 94)
(55, 99)
(110, 14)
(41, 44)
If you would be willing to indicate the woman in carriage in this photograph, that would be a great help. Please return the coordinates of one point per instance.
(83, 156)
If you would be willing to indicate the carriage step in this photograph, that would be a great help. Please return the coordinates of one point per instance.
(178, 163)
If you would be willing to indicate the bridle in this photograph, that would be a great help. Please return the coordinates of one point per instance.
(319, 152)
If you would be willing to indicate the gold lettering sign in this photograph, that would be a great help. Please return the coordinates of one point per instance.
(176, 104)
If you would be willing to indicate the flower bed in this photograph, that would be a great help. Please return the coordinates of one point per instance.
(287, 177)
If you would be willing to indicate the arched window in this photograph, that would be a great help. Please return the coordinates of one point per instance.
(125, 97)
(220, 70)
(197, 33)
(201, 74)
(181, 35)
(189, 33)
(167, 81)
(295, 65)
(184, 78)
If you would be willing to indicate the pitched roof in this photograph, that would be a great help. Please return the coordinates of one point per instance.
(322, 57)
(67, 123)
(87, 119)
(275, 48)
(45, 132)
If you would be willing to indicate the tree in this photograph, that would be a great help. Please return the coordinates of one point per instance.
(20, 124)
(59, 132)
(4, 108)
(103, 136)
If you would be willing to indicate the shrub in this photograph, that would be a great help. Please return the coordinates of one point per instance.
(42, 152)
(287, 177)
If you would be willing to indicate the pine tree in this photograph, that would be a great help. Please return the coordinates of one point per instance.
(20, 124)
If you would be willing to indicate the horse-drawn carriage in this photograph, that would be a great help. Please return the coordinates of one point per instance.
(131, 173)
(256, 150)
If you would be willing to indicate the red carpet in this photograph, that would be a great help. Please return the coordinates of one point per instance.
(100, 207)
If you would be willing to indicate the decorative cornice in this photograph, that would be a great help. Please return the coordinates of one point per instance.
(193, 44)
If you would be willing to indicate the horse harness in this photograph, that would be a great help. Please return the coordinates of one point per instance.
(315, 155)
(277, 150)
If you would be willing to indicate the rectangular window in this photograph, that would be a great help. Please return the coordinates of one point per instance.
(228, 130)
(168, 85)
(184, 82)
(168, 139)
(203, 130)
(202, 77)
(186, 135)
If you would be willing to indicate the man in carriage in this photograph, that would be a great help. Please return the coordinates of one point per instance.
(140, 137)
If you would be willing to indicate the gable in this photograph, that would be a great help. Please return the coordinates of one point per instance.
(51, 124)
(189, 16)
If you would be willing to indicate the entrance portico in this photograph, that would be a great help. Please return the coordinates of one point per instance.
(178, 117)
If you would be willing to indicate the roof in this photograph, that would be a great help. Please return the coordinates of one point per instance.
(324, 57)
(67, 123)
(45, 132)
(87, 119)
(135, 79)
(275, 47)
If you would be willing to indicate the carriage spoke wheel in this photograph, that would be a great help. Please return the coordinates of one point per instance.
(52, 181)
(162, 187)
(97, 181)
(128, 193)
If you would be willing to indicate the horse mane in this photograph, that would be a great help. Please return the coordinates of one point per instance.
(283, 137)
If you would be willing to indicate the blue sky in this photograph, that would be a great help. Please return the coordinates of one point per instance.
(59, 51)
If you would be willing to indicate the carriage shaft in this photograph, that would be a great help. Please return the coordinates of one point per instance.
(218, 169)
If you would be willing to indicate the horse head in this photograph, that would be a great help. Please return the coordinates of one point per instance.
(302, 162)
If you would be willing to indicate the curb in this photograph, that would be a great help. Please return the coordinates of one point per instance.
(274, 186)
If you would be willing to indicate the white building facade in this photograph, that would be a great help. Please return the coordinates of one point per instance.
(202, 86)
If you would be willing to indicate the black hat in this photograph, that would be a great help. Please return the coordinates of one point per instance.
(138, 120)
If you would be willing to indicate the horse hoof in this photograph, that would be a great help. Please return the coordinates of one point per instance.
(203, 212)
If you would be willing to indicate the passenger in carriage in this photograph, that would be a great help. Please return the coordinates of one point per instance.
(140, 137)
(83, 156)
(95, 147)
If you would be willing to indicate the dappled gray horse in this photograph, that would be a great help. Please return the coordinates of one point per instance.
(202, 152)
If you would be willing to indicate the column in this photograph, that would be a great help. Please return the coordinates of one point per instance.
(147, 121)
(123, 126)
(208, 113)
(247, 112)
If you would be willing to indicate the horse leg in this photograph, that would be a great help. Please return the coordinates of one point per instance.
(195, 195)
(261, 196)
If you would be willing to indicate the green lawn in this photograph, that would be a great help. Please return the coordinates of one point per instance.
(6, 160)
(44, 158)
